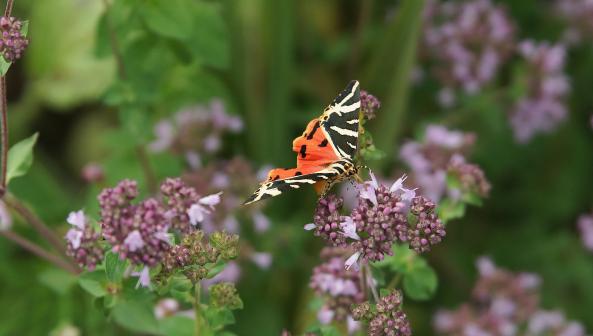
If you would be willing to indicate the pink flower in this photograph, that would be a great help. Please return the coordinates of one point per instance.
(5, 217)
(349, 228)
(352, 261)
(261, 259)
(134, 241)
(203, 207)
(261, 223)
(74, 236)
(143, 277)
(585, 224)
(77, 219)
(325, 315)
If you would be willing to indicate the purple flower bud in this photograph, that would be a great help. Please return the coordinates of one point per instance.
(12, 43)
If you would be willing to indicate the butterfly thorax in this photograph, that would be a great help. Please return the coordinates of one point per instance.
(346, 169)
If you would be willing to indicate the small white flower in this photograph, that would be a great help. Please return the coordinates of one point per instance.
(398, 185)
(352, 260)
(143, 277)
(310, 226)
(373, 181)
(205, 206)
(211, 200)
(163, 235)
(349, 228)
(77, 219)
(74, 236)
(368, 192)
(134, 241)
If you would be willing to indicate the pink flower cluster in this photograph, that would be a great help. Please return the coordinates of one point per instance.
(579, 16)
(383, 216)
(195, 130)
(442, 153)
(466, 42)
(504, 303)
(543, 107)
(340, 288)
(585, 226)
(12, 42)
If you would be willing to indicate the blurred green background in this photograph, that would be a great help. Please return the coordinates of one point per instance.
(276, 64)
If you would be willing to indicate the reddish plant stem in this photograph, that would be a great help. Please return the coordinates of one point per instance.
(8, 9)
(4, 135)
(39, 226)
(38, 251)
(4, 118)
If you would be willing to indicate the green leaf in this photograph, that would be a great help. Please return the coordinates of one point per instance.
(215, 269)
(94, 283)
(472, 198)
(114, 267)
(177, 326)
(399, 261)
(449, 209)
(58, 280)
(329, 330)
(389, 78)
(169, 18)
(136, 316)
(198, 25)
(20, 158)
(219, 317)
(420, 282)
(4, 66)
(137, 124)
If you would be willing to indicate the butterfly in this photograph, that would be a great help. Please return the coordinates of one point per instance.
(325, 152)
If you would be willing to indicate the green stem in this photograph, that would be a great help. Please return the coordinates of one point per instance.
(395, 281)
(197, 308)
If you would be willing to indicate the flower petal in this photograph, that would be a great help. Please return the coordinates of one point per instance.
(211, 200)
(399, 184)
(310, 226)
(134, 241)
(77, 219)
(325, 315)
(74, 236)
(196, 213)
(262, 260)
(349, 228)
(373, 181)
(143, 277)
(367, 192)
(352, 260)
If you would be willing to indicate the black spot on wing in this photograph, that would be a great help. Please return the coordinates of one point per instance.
(323, 143)
(298, 173)
(315, 127)
(303, 151)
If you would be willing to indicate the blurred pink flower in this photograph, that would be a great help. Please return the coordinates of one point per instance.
(585, 225)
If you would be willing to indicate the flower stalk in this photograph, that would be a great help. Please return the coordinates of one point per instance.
(38, 251)
(40, 227)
